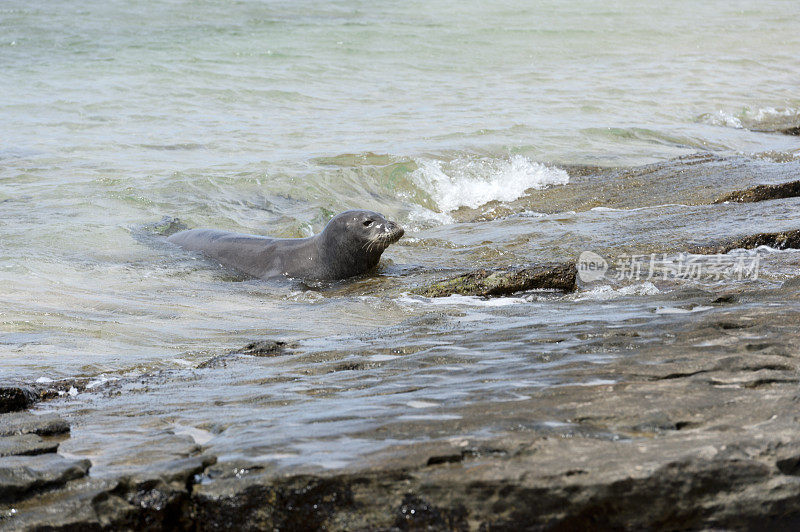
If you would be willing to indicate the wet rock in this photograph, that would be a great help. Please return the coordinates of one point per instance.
(83, 504)
(416, 514)
(258, 348)
(792, 283)
(791, 130)
(64, 387)
(504, 281)
(158, 505)
(14, 398)
(161, 494)
(264, 503)
(25, 444)
(23, 475)
(638, 501)
(782, 240)
(179, 471)
(789, 460)
(25, 423)
(763, 193)
(155, 500)
(219, 361)
(578, 483)
(267, 348)
(61, 387)
(725, 299)
(691, 424)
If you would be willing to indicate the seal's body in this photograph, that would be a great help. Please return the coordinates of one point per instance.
(350, 244)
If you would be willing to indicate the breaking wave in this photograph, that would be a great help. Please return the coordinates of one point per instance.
(764, 119)
(474, 182)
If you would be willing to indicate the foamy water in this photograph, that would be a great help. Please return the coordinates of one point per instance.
(762, 118)
(475, 182)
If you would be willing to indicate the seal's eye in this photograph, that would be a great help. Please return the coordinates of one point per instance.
(367, 223)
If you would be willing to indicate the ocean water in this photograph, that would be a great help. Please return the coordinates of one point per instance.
(465, 123)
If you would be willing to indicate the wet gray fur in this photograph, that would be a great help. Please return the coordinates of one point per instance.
(351, 244)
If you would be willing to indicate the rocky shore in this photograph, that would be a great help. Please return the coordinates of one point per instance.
(692, 424)
(698, 431)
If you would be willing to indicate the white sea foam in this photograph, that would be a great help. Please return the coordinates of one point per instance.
(475, 181)
(421, 404)
(604, 292)
(632, 209)
(722, 118)
(594, 382)
(382, 358)
(769, 114)
(760, 250)
(677, 310)
(764, 117)
(100, 381)
(606, 209)
(420, 217)
(428, 417)
(200, 436)
(458, 299)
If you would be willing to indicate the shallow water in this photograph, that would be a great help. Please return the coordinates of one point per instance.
(472, 126)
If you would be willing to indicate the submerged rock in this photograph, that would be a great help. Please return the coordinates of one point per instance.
(258, 348)
(267, 348)
(762, 193)
(782, 240)
(504, 281)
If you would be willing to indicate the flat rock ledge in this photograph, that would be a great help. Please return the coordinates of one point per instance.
(782, 240)
(42, 490)
(672, 477)
(698, 431)
(28, 460)
(505, 281)
(763, 193)
(702, 433)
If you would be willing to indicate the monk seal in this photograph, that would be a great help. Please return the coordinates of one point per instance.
(351, 244)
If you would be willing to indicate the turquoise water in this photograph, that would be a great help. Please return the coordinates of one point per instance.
(138, 90)
(269, 117)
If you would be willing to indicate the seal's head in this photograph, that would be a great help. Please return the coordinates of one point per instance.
(361, 232)
(353, 241)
